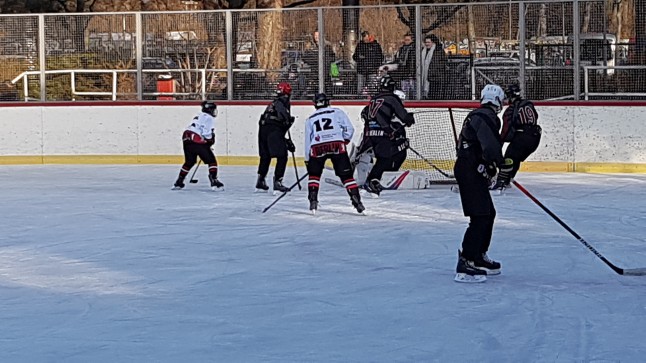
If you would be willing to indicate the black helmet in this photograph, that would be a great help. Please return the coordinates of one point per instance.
(210, 107)
(321, 100)
(513, 92)
(387, 83)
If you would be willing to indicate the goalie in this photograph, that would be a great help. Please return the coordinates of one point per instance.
(384, 141)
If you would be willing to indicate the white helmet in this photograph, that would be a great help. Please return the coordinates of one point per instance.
(400, 94)
(493, 94)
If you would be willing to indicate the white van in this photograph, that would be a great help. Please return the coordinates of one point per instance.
(597, 49)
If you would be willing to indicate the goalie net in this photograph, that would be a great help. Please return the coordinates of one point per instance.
(434, 137)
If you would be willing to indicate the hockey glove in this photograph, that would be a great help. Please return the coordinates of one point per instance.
(409, 120)
(505, 171)
(488, 170)
(290, 145)
(210, 141)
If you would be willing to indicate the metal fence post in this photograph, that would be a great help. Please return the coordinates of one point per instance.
(229, 44)
(418, 52)
(42, 61)
(576, 51)
(321, 45)
(521, 46)
(139, 51)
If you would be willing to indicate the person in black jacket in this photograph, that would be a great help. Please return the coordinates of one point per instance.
(384, 120)
(479, 154)
(521, 130)
(274, 124)
(368, 55)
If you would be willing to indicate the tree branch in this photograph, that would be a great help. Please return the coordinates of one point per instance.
(299, 3)
(443, 19)
(402, 18)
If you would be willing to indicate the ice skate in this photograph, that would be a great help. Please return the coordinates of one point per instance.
(466, 271)
(278, 185)
(216, 185)
(179, 184)
(373, 187)
(485, 263)
(261, 185)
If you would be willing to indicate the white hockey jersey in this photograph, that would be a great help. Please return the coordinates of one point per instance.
(328, 125)
(202, 125)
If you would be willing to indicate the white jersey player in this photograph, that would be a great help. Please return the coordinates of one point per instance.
(327, 133)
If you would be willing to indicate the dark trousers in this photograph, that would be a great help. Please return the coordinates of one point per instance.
(342, 169)
(388, 156)
(477, 205)
(524, 143)
(271, 144)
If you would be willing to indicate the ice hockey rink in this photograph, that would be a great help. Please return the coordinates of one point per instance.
(104, 263)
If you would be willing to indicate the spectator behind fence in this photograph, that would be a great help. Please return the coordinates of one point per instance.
(369, 56)
(406, 66)
(311, 57)
(437, 71)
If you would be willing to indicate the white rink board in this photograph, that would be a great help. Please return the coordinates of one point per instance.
(581, 134)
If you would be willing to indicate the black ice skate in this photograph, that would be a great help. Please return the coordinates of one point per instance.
(261, 184)
(466, 271)
(356, 203)
(313, 198)
(373, 187)
(179, 184)
(278, 185)
(485, 263)
(215, 183)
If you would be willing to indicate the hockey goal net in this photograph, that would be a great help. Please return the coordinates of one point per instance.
(433, 139)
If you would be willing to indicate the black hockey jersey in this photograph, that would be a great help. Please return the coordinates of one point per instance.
(479, 138)
(518, 116)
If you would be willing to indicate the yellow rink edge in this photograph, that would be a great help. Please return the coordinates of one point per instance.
(530, 166)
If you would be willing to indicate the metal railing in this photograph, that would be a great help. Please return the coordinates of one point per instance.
(41, 52)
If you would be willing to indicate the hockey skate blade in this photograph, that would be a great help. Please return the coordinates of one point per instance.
(216, 189)
(455, 189)
(469, 279)
(261, 190)
(176, 188)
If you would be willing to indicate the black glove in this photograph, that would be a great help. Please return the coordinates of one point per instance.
(488, 170)
(505, 171)
(292, 119)
(210, 141)
(290, 145)
(409, 120)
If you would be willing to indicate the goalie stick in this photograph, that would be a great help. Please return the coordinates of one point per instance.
(620, 271)
(431, 164)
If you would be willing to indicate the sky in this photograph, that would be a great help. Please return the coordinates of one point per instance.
(104, 263)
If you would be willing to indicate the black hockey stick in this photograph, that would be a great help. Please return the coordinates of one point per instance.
(193, 180)
(431, 164)
(285, 193)
(620, 271)
(294, 159)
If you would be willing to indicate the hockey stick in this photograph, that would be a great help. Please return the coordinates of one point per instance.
(431, 164)
(193, 180)
(620, 271)
(285, 193)
(294, 159)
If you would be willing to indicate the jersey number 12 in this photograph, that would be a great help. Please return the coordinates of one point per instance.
(327, 124)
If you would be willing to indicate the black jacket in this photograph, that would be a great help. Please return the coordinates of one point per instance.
(479, 139)
(277, 114)
(381, 114)
(368, 56)
(518, 116)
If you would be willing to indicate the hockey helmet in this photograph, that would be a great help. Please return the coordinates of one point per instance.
(321, 100)
(513, 92)
(387, 83)
(210, 107)
(492, 94)
(283, 88)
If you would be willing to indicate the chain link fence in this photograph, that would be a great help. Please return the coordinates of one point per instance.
(434, 51)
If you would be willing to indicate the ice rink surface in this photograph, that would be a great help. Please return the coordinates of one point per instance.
(107, 264)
